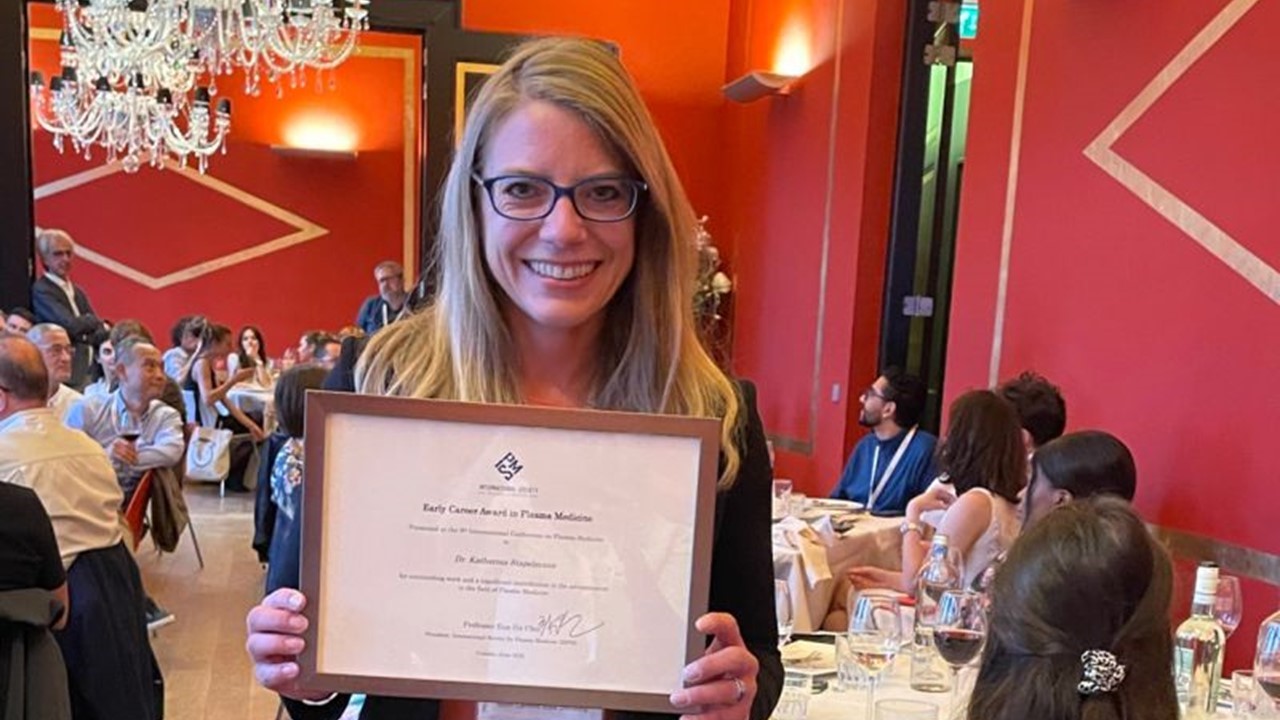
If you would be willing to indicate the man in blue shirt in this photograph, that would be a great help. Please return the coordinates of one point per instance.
(893, 463)
(379, 311)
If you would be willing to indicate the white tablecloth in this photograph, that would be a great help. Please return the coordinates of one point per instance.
(812, 560)
(830, 704)
(255, 400)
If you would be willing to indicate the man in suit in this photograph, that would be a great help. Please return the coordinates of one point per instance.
(55, 300)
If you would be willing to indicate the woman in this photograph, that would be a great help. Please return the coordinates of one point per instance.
(575, 295)
(207, 392)
(1074, 467)
(185, 336)
(985, 466)
(104, 372)
(252, 354)
(286, 474)
(1079, 624)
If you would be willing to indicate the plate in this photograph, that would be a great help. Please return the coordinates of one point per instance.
(834, 505)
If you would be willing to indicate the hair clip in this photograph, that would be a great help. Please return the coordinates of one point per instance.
(1102, 673)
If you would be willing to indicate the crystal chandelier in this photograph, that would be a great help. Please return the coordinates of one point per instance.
(139, 76)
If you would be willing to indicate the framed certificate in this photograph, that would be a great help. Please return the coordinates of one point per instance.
(504, 553)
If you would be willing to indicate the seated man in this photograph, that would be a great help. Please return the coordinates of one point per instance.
(137, 430)
(57, 351)
(1041, 409)
(110, 668)
(894, 463)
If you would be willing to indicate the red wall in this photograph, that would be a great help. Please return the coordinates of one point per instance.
(1150, 335)
(805, 170)
(675, 49)
(162, 222)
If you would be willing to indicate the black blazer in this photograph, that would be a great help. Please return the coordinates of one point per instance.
(741, 574)
(51, 305)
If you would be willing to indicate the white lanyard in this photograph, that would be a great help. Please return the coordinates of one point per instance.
(888, 471)
(385, 309)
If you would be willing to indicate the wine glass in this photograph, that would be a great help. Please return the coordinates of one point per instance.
(875, 634)
(785, 611)
(128, 426)
(1228, 604)
(1266, 665)
(960, 632)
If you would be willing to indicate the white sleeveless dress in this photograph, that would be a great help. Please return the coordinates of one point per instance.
(996, 539)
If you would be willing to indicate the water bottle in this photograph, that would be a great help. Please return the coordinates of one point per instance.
(940, 573)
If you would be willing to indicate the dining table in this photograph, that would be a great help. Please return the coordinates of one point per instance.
(255, 400)
(812, 692)
(818, 541)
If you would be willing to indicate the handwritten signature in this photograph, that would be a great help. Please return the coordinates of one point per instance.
(565, 622)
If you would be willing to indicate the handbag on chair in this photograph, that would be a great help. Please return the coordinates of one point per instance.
(209, 454)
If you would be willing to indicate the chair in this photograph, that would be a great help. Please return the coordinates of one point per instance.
(187, 430)
(135, 513)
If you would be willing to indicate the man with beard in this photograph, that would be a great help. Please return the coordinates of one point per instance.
(379, 311)
(894, 462)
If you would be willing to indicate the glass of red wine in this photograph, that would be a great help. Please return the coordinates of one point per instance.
(1266, 665)
(129, 429)
(960, 632)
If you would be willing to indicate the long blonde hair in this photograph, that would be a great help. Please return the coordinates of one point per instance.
(650, 358)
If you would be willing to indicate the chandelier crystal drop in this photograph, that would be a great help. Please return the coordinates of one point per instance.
(139, 76)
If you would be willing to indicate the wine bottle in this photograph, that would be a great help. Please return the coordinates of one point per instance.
(1198, 646)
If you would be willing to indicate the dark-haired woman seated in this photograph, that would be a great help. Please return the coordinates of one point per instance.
(1079, 624)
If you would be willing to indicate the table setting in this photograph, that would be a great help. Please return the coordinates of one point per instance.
(816, 540)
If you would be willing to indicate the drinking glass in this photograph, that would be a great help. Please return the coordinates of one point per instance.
(1228, 604)
(782, 605)
(128, 427)
(797, 504)
(1244, 694)
(875, 634)
(848, 675)
(781, 498)
(1266, 665)
(906, 710)
(960, 633)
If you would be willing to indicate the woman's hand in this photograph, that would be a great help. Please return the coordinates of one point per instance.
(866, 578)
(241, 375)
(935, 498)
(275, 626)
(720, 685)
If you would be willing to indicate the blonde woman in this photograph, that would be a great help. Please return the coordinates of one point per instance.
(567, 261)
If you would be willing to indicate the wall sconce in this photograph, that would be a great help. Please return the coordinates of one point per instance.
(314, 153)
(757, 84)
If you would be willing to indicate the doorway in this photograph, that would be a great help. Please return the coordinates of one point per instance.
(933, 129)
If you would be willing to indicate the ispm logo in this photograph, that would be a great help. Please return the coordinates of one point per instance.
(508, 467)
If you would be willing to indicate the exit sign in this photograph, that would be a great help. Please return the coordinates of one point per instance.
(968, 21)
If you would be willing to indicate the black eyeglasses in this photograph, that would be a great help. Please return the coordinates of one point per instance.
(599, 199)
(872, 392)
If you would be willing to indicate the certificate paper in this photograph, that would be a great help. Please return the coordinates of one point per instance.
(504, 553)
